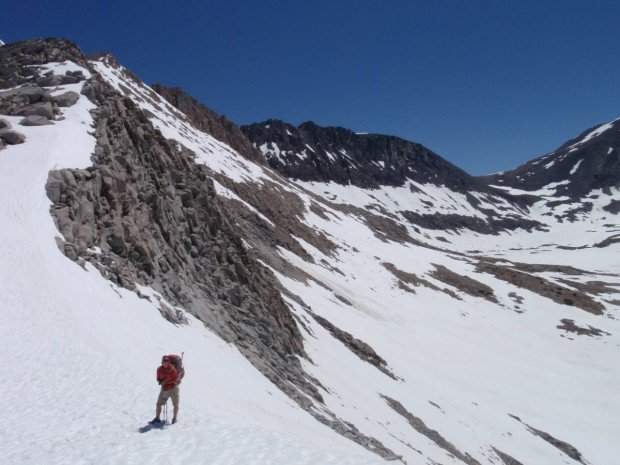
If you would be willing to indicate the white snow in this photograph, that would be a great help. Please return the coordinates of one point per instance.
(84, 352)
(576, 167)
(227, 193)
(87, 350)
(594, 133)
(174, 125)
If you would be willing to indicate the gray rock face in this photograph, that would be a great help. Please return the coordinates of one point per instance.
(30, 93)
(17, 101)
(16, 57)
(88, 91)
(35, 120)
(12, 137)
(67, 99)
(49, 81)
(313, 153)
(157, 218)
(209, 121)
(43, 109)
(4, 124)
(158, 221)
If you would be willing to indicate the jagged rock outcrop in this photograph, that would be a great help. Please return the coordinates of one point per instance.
(154, 215)
(208, 121)
(146, 213)
(15, 59)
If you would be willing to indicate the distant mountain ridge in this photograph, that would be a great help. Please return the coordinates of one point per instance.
(587, 162)
(310, 152)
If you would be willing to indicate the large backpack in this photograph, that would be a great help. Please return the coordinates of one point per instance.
(177, 361)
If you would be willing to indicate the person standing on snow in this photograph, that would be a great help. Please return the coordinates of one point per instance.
(168, 378)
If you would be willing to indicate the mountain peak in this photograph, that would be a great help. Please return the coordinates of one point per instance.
(587, 162)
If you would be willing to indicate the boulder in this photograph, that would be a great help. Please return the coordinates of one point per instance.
(4, 124)
(71, 79)
(12, 137)
(49, 81)
(40, 109)
(67, 99)
(35, 120)
(34, 93)
(88, 90)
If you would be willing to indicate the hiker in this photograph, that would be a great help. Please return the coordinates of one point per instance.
(169, 379)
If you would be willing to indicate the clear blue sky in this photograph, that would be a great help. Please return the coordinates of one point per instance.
(486, 84)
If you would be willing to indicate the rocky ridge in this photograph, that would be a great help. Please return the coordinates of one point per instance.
(588, 162)
(206, 120)
(146, 214)
(310, 152)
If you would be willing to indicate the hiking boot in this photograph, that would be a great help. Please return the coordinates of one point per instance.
(174, 420)
(155, 421)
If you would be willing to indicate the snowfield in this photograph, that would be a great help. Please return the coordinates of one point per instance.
(83, 352)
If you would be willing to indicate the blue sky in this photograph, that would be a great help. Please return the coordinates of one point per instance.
(486, 84)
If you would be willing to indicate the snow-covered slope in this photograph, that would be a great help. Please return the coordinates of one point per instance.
(479, 350)
(84, 351)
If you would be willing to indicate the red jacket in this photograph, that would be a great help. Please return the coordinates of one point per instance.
(167, 377)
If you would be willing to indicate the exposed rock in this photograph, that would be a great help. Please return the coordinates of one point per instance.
(613, 207)
(419, 425)
(463, 283)
(570, 326)
(89, 90)
(35, 120)
(609, 241)
(206, 120)
(66, 99)
(592, 287)
(406, 280)
(44, 109)
(493, 225)
(563, 446)
(155, 215)
(29, 93)
(16, 57)
(51, 80)
(589, 161)
(71, 79)
(543, 287)
(4, 124)
(507, 459)
(12, 137)
(359, 348)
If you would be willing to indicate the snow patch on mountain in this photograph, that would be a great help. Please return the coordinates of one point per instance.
(594, 133)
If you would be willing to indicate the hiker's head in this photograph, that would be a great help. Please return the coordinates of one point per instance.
(165, 360)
